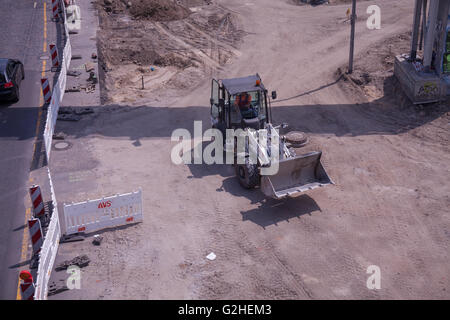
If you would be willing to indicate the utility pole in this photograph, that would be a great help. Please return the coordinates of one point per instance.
(352, 37)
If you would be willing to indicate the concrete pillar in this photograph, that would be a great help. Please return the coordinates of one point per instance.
(415, 30)
(431, 34)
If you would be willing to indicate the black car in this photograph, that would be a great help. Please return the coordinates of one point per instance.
(11, 75)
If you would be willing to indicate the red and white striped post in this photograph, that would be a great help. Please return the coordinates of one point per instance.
(46, 90)
(55, 9)
(27, 287)
(37, 201)
(54, 54)
(37, 239)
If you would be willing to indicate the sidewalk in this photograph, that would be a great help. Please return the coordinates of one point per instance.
(84, 44)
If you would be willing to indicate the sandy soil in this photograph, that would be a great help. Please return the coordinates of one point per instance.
(157, 49)
(389, 160)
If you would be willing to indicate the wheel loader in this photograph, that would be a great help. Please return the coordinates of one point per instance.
(244, 103)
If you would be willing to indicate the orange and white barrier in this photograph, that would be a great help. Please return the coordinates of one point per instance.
(55, 8)
(103, 213)
(54, 54)
(59, 87)
(37, 239)
(27, 287)
(46, 92)
(47, 253)
(36, 200)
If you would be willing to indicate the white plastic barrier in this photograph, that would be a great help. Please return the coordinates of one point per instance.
(73, 17)
(48, 251)
(49, 248)
(58, 89)
(93, 215)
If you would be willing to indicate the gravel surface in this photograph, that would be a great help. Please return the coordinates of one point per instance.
(389, 161)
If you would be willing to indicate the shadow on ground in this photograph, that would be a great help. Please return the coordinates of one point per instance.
(390, 114)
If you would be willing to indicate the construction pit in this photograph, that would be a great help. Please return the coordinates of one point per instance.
(388, 159)
(150, 46)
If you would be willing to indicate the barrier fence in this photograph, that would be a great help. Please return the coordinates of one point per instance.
(47, 253)
(49, 249)
(86, 216)
(102, 213)
(58, 88)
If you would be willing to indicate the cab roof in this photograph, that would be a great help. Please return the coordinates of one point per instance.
(244, 84)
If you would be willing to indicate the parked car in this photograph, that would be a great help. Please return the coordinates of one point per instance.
(11, 75)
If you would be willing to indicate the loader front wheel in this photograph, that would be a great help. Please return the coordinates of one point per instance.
(248, 175)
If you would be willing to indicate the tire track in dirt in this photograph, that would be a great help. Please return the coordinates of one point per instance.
(202, 56)
(279, 280)
(228, 47)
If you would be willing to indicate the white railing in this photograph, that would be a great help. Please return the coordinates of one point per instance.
(49, 249)
(58, 89)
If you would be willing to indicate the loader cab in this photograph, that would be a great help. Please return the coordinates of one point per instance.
(239, 103)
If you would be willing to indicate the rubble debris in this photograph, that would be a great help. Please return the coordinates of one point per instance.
(89, 66)
(59, 136)
(80, 261)
(54, 289)
(73, 89)
(73, 73)
(65, 110)
(71, 238)
(97, 240)
(90, 88)
(94, 56)
(92, 77)
(81, 111)
(68, 117)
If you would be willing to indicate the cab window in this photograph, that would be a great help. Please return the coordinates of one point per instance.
(249, 103)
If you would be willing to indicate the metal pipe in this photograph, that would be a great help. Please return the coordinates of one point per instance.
(424, 23)
(352, 37)
(430, 35)
(416, 25)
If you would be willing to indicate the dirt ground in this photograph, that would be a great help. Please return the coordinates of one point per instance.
(388, 158)
(162, 44)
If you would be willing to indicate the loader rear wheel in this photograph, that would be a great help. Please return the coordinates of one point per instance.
(248, 175)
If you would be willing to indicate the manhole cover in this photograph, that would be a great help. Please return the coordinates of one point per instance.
(61, 145)
(297, 139)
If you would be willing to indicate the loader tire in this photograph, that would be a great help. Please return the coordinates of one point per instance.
(248, 175)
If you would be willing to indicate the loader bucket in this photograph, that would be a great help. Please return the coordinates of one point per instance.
(296, 175)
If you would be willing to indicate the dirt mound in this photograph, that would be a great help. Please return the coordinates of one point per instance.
(161, 10)
(156, 10)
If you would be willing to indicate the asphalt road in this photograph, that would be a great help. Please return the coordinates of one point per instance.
(22, 37)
